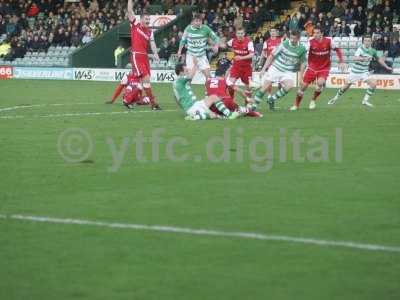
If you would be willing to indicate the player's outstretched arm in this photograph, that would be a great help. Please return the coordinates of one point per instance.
(154, 49)
(214, 38)
(182, 43)
(131, 14)
(245, 57)
(382, 62)
(267, 63)
(302, 69)
(342, 64)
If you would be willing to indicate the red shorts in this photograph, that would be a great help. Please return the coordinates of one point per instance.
(140, 64)
(311, 75)
(243, 73)
(229, 103)
(132, 95)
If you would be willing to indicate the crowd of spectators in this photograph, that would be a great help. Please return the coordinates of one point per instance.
(35, 25)
(351, 18)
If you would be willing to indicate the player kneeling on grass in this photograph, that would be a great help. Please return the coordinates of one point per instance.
(359, 70)
(319, 64)
(217, 86)
(282, 65)
(186, 99)
(132, 88)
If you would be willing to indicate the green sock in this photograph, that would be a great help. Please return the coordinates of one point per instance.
(203, 116)
(258, 96)
(222, 108)
(279, 94)
(368, 94)
(370, 91)
(339, 93)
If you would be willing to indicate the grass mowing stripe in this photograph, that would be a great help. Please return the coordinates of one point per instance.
(207, 232)
(44, 105)
(83, 114)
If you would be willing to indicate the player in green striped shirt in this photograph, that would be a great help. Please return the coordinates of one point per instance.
(195, 38)
(186, 99)
(282, 65)
(359, 71)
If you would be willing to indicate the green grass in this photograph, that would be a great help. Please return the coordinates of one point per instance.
(353, 200)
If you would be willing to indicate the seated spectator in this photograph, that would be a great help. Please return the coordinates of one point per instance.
(358, 29)
(44, 43)
(87, 37)
(338, 10)
(75, 38)
(35, 44)
(173, 45)
(394, 49)
(59, 36)
(164, 49)
(19, 51)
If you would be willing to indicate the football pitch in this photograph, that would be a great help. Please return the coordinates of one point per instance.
(100, 203)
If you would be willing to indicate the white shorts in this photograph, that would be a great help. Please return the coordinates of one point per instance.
(202, 62)
(199, 107)
(277, 76)
(354, 77)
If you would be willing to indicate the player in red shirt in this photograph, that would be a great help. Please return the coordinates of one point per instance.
(319, 64)
(132, 88)
(141, 37)
(243, 49)
(217, 86)
(269, 46)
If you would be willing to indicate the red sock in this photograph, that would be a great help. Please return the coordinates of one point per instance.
(149, 94)
(231, 91)
(230, 104)
(117, 92)
(298, 99)
(316, 95)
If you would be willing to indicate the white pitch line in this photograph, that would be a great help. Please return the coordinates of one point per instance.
(83, 114)
(44, 105)
(206, 232)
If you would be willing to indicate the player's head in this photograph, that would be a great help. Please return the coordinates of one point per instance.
(367, 40)
(294, 36)
(273, 32)
(179, 69)
(317, 33)
(240, 33)
(222, 68)
(197, 20)
(145, 19)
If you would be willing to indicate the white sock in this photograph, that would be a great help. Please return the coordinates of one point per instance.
(366, 98)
